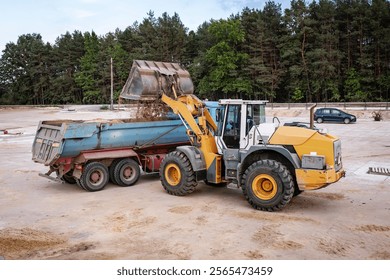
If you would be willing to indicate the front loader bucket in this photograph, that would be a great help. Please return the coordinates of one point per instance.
(149, 79)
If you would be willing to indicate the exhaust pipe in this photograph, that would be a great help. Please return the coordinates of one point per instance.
(312, 115)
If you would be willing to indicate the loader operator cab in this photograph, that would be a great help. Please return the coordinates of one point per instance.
(238, 121)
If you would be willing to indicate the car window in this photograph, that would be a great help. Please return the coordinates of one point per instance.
(326, 111)
(335, 112)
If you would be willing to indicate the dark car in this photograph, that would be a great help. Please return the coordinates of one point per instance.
(333, 115)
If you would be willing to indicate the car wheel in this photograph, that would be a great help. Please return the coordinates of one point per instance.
(320, 120)
(347, 121)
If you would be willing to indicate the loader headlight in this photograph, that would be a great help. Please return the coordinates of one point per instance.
(337, 155)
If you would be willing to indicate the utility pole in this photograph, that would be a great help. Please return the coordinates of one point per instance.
(112, 89)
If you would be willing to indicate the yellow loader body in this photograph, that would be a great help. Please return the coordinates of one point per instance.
(321, 167)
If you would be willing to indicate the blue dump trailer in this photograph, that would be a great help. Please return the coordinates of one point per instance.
(91, 153)
(94, 152)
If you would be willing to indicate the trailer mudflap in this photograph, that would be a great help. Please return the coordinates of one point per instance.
(47, 176)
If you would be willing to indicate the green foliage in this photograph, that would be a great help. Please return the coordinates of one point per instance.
(298, 95)
(224, 60)
(87, 77)
(65, 62)
(352, 87)
(325, 50)
(24, 70)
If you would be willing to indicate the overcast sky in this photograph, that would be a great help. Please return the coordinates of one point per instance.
(52, 18)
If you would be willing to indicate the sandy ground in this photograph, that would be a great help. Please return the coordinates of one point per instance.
(42, 219)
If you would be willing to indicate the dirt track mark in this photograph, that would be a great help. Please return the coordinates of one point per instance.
(265, 234)
(268, 235)
(62, 253)
(177, 251)
(273, 217)
(373, 228)
(254, 255)
(27, 243)
(142, 222)
(209, 207)
(288, 244)
(201, 220)
(181, 209)
(155, 249)
(16, 243)
(119, 222)
(330, 196)
(333, 247)
(380, 255)
(136, 211)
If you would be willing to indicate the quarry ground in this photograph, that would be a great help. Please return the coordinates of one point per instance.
(42, 219)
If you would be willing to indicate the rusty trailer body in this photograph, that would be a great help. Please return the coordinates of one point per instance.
(91, 153)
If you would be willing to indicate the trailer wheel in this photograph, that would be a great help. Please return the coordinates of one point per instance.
(68, 177)
(80, 184)
(177, 175)
(94, 177)
(127, 172)
(267, 185)
(111, 170)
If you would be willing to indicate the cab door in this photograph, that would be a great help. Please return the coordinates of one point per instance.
(232, 127)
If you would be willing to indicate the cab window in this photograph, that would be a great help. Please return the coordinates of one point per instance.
(231, 135)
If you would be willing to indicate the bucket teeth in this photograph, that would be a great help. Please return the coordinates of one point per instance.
(149, 79)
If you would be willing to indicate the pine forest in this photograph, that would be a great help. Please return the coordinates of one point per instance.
(319, 51)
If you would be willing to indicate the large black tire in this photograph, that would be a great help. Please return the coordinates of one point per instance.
(267, 185)
(111, 170)
(127, 172)
(80, 184)
(95, 176)
(177, 175)
(68, 177)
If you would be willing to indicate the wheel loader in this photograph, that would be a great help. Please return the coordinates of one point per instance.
(270, 163)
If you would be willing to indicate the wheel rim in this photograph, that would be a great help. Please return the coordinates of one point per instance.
(172, 174)
(128, 173)
(264, 187)
(96, 177)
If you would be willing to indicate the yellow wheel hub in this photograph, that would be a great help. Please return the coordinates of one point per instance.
(172, 174)
(264, 187)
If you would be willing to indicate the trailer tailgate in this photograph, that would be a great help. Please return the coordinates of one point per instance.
(47, 144)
